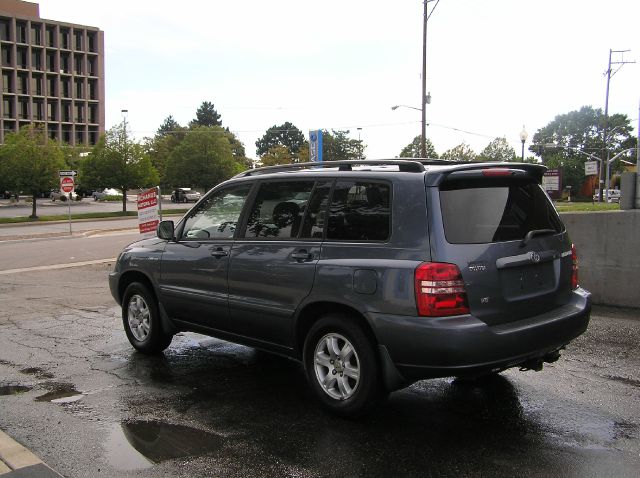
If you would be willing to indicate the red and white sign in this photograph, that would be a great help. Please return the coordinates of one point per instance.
(66, 184)
(148, 217)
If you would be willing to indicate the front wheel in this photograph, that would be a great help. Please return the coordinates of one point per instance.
(342, 367)
(141, 320)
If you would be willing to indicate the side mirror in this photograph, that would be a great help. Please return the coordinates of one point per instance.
(165, 230)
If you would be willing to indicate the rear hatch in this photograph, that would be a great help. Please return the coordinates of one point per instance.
(502, 231)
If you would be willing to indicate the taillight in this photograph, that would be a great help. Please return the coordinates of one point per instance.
(574, 267)
(440, 290)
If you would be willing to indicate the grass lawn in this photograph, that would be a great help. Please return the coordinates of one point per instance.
(88, 215)
(585, 206)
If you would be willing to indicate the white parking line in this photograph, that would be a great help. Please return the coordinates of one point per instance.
(57, 266)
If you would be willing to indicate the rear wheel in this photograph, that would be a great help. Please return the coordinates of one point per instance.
(141, 320)
(342, 367)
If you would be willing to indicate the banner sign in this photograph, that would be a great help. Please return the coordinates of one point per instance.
(552, 183)
(148, 217)
(315, 145)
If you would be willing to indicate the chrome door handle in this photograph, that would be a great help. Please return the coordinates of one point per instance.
(301, 255)
(219, 252)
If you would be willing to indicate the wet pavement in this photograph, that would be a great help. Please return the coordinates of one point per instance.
(75, 392)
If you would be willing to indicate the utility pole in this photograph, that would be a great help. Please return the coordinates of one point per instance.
(605, 136)
(423, 100)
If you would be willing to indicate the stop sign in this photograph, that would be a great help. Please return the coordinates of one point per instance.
(66, 184)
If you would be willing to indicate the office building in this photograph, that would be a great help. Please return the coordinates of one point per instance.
(52, 75)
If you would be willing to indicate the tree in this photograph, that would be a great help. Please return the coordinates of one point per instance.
(575, 137)
(168, 126)
(206, 115)
(29, 162)
(238, 151)
(497, 150)
(462, 152)
(277, 155)
(117, 161)
(582, 130)
(412, 150)
(284, 135)
(203, 159)
(336, 146)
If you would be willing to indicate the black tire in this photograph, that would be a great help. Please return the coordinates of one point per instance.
(343, 395)
(185, 200)
(139, 306)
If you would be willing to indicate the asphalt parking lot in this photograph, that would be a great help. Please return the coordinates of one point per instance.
(75, 393)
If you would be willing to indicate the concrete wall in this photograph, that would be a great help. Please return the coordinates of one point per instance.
(608, 245)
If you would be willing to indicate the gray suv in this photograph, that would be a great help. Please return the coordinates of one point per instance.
(374, 274)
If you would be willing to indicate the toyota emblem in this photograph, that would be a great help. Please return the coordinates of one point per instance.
(534, 256)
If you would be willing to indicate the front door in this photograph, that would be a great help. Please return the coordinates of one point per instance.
(193, 277)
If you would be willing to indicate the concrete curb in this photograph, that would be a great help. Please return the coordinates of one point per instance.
(16, 461)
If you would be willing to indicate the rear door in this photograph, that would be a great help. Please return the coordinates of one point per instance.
(272, 264)
(502, 231)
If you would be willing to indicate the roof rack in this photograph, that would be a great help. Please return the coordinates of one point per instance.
(407, 166)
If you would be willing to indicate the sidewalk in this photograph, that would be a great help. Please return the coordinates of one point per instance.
(18, 462)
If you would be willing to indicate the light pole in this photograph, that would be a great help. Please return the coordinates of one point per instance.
(523, 138)
(425, 98)
(359, 144)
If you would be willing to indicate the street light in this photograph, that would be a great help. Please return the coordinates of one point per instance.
(359, 143)
(523, 137)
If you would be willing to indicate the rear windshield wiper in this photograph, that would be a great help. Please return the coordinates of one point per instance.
(536, 232)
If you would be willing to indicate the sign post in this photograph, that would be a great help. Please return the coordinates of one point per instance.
(148, 217)
(67, 185)
(552, 183)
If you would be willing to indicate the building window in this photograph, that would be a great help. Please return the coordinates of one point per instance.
(91, 61)
(66, 133)
(93, 113)
(80, 88)
(51, 36)
(36, 34)
(78, 34)
(66, 90)
(51, 86)
(64, 38)
(52, 111)
(93, 90)
(51, 61)
(91, 37)
(6, 55)
(23, 80)
(66, 112)
(21, 32)
(7, 105)
(79, 137)
(23, 108)
(7, 86)
(93, 136)
(77, 64)
(38, 113)
(36, 59)
(79, 113)
(22, 58)
(36, 85)
(5, 30)
(64, 63)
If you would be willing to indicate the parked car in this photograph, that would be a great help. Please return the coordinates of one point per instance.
(374, 274)
(185, 195)
(56, 194)
(101, 195)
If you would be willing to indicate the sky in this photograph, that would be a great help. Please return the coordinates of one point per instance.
(493, 66)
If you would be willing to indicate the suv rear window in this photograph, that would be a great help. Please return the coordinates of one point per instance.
(485, 211)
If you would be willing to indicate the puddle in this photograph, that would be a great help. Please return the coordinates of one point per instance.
(37, 371)
(139, 444)
(13, 389)
(60, 393)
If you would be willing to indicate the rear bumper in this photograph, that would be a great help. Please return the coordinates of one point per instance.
(423, 347)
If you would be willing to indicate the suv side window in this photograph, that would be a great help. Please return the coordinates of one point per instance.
(278, 210)
(316, 214)
(217, 216)
(360, 211)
